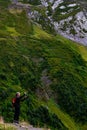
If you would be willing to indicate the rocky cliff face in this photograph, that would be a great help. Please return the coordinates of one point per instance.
(67, 17)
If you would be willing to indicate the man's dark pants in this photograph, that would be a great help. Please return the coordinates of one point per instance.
(16, 114)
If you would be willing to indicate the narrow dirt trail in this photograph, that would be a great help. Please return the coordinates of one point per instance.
(20, 127)
(28, 128)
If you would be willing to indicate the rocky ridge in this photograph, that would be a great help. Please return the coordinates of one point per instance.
(68, 18)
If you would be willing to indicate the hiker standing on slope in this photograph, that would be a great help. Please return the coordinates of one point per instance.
(16, 104)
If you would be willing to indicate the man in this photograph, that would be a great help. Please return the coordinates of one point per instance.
(16, 103)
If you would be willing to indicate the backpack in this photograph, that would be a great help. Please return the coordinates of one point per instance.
(13, 102)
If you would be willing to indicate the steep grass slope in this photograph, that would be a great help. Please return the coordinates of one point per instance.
(47, 67)
(66, 119)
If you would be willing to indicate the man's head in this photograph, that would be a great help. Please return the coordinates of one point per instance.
(18, 94)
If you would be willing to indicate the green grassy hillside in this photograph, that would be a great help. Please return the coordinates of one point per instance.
(47, 67)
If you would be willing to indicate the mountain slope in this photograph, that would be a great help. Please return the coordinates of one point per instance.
(68, 18)
(44, 65)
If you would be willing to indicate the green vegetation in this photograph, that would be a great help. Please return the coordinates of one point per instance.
(69, 11)
(33, 2)
(64, 117)
(6, 127)
(46, 66)
(83, 51)
(43, 117)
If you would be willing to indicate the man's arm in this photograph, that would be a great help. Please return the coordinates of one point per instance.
(23, 97)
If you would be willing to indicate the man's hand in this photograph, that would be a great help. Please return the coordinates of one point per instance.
(25, 93)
